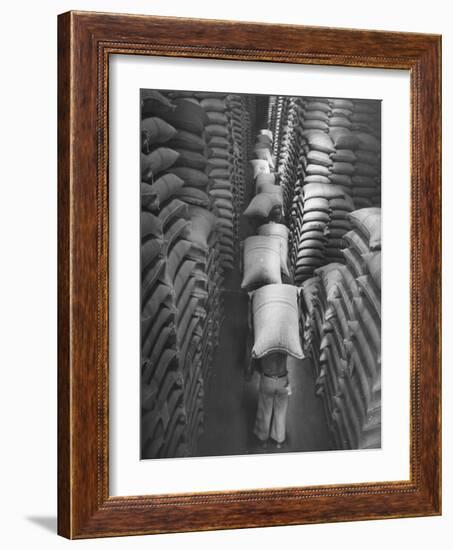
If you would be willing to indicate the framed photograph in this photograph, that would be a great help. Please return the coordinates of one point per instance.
(249, 275)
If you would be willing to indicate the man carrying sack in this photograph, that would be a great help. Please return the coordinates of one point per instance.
(273, 398)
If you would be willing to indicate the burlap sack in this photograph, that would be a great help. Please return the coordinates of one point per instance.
(344, 155)
(264, 154)
(326, 191)
(342, 204)
(191, 176)
(188, 116)
(345, 168)
(368, 142)
(265, 178)
(317, 170)
(342, 104)
(343, 138)
(214, 117)
(317, 105)
(179, 229)
(316, 115)
(370, 157)
(219, 143)
(365, 169)
(262, 204)
(191, 159)
(157, 161)
(318, 157)
(364, 181)
(340, 122)
(153, 195)
(213, 104)
(185, 272)
(178, 252)
(369, 290)
(261, 261)
(220, 173)
(316, 216)
(187, 140)
(155, 104)
(174, 209)
(216, 130)
(162, 295)
(217, 165)
(315, 125)
(163, 318)
(203, 223)
(268, 133)
(218, 152)
(261, 187)
(317, 178)
(157, 130)
(319, 141)
(281, 232)
(219, 183)
(194, 196)
(150, 225)
(149, 252)
(221, 194)
(264, 140)
(368, 222)
(341, 179)
(373, 264)
(260, 167)
(276, 321)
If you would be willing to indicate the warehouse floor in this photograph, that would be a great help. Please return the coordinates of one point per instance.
(231, 401)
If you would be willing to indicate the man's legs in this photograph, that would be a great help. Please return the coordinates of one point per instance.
(264, 410)
(281, 399)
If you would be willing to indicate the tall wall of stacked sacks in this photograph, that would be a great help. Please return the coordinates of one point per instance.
(194, 151)
(328, 157)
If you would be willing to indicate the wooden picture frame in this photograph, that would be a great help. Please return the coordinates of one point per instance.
(85, 41)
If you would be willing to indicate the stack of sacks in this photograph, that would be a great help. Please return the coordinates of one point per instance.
(280, 109)
(315, 114)
(366, 117)
(160, 379)
(271, 112)
(268, 195)
(220, 173)
(198, 282)
(289, 151)
(342, 310)
(355, 130)
(366, 180)
(311, 320)
(162, 382)
(180, 271)
(320, 223)
(239, 121)
(363, 345)
(209, 277)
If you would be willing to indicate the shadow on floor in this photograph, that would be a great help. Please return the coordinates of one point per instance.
(48, 523)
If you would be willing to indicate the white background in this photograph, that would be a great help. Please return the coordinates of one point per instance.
(28, 276)
(129, 476)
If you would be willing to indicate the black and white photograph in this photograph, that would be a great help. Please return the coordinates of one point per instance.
(260, 273)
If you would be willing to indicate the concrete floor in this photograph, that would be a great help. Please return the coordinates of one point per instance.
(231, 401)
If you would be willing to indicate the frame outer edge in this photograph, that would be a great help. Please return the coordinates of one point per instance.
(81, 510)
(64, 527)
